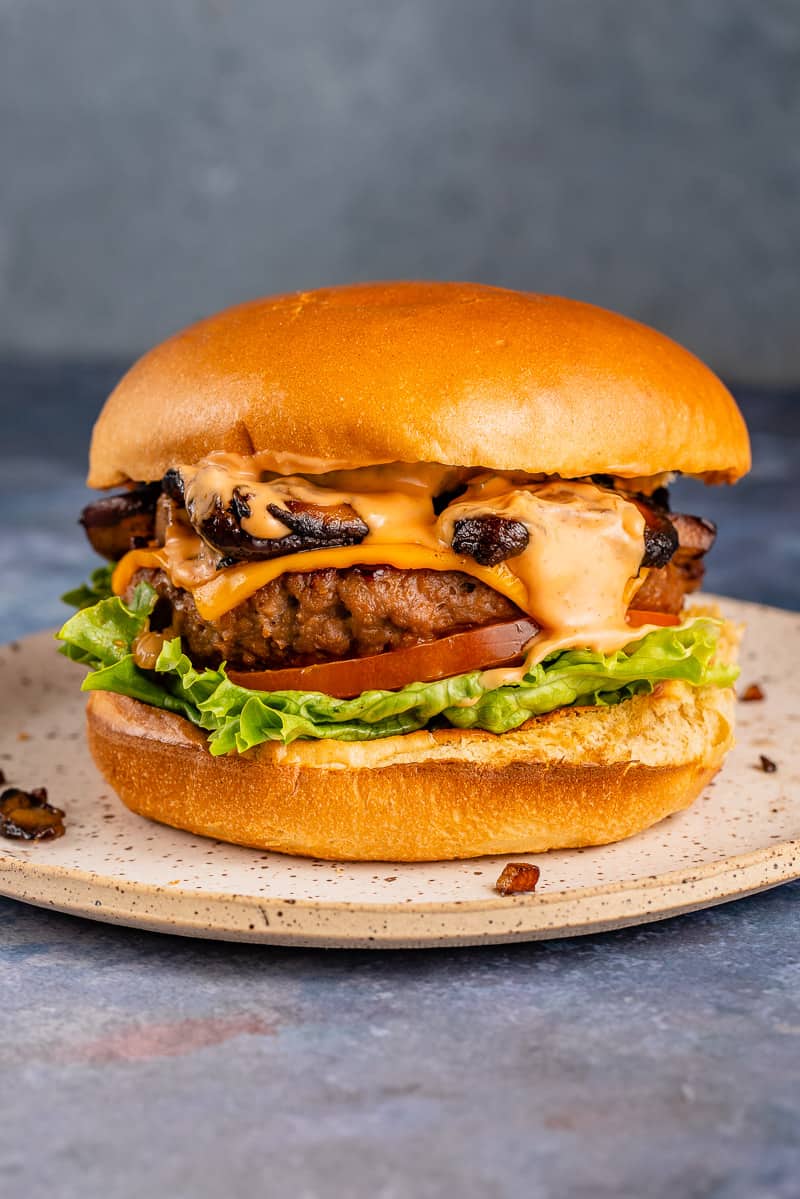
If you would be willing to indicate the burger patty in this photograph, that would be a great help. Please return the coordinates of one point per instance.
(324, 615)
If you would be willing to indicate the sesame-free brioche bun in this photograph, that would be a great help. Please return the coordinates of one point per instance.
(578, 776)
(456, 373)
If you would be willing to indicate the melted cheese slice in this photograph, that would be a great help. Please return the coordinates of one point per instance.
(230, 587)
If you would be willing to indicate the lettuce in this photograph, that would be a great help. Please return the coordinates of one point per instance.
(101, 637)
(88, 594)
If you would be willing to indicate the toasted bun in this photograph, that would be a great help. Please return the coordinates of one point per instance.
(422, 372)
(580, 776)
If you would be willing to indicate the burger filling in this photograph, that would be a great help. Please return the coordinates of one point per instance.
(328, 615)
(242, 598)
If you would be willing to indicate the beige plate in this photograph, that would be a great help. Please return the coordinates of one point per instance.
(742, 835)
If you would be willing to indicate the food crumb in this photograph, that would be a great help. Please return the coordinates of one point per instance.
(517, 878)
(767, 764)
(27, 816)
(752, 694)
(23, 736)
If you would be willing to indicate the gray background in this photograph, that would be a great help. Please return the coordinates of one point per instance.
(164, 158)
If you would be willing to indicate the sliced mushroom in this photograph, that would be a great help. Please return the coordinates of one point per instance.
(118, 523)
(673, 534)
(660, 536)
(489, 539)
(311, 527)
(696, 535)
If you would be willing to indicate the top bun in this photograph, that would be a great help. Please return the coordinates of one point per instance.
(456, 373)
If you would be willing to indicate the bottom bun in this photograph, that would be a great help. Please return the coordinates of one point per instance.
(578, 776)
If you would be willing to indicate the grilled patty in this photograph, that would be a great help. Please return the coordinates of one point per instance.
(324, 615)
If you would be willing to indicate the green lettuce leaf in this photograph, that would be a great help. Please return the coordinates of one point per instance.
(88, 594)
(237, 719)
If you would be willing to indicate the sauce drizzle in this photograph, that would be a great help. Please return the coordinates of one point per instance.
(576, 577)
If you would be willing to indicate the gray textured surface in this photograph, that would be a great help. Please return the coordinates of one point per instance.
(656, 1062)
(165, 158)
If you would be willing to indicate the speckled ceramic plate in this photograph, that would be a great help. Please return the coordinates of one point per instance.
(741, 836)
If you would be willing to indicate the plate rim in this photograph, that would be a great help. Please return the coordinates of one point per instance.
(789, 849)
(404, 925)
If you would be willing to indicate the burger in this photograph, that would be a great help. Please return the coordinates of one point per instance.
(393, 574)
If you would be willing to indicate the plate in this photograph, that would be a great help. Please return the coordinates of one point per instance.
(741, 836)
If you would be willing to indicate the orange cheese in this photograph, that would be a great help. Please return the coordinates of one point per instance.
(233, 585)
(135, 560)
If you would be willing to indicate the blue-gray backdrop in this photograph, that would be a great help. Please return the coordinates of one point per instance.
(164, 158)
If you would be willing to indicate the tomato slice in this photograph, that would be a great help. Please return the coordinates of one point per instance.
(479, 649)
(666, 619)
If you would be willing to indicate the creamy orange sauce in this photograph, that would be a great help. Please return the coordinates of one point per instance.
(580, 569)
(191, 562)
(391, 499)
(576, 577)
